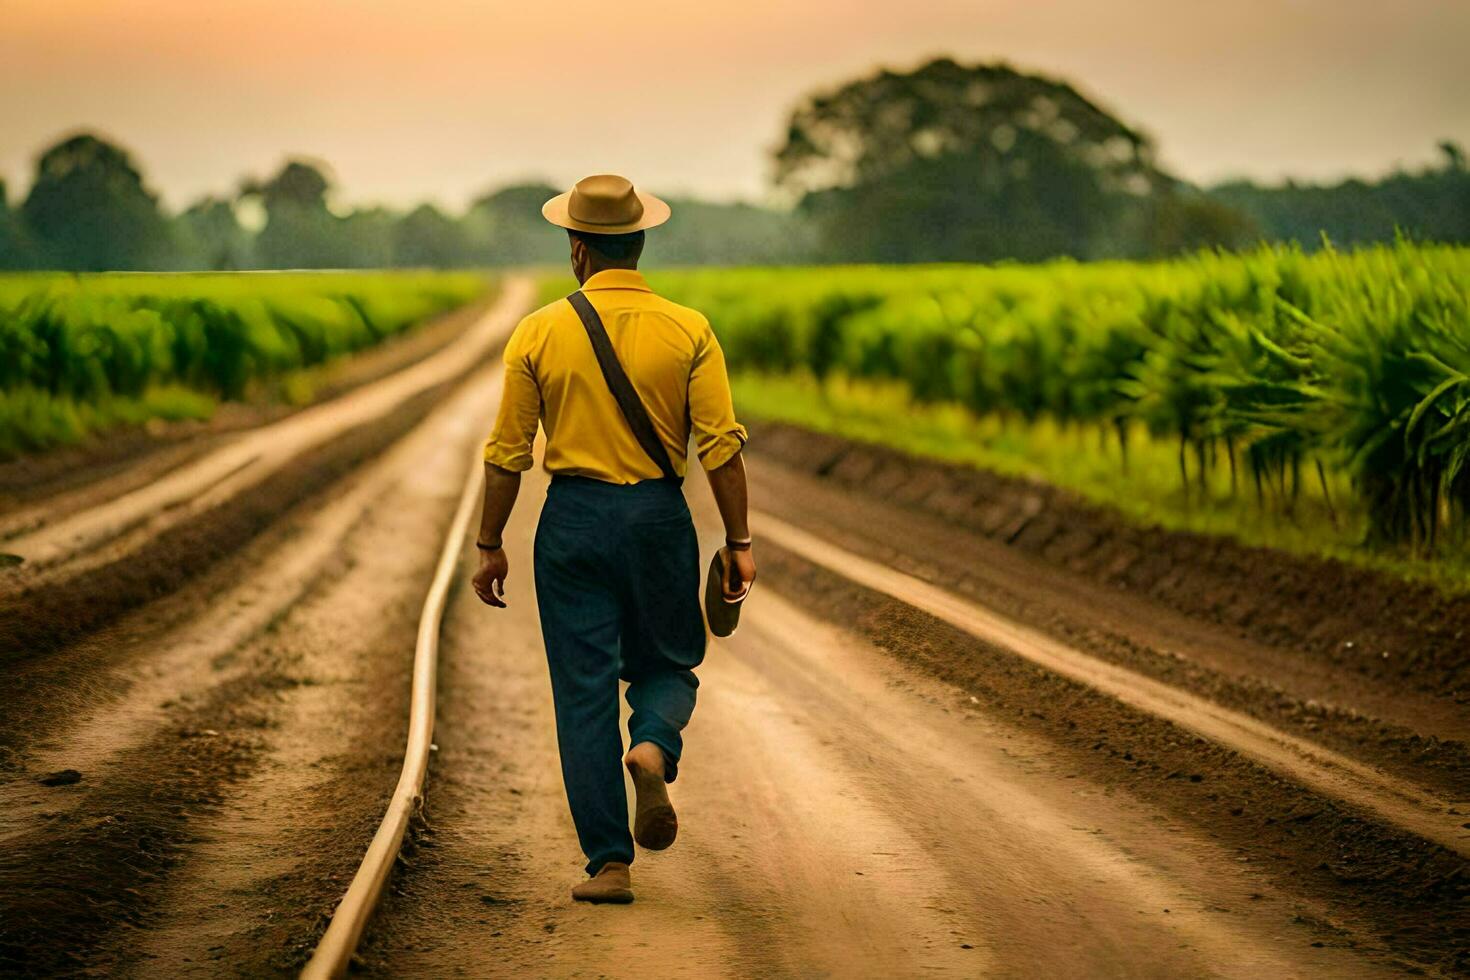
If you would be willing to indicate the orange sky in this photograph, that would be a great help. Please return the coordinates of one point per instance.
(440, 99)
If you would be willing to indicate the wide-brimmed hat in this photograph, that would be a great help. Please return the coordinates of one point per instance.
(605, 204)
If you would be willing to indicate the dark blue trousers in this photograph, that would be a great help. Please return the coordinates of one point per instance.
(617, 586)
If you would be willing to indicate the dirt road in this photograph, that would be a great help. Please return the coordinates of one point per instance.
(873, 785)
(842, 816)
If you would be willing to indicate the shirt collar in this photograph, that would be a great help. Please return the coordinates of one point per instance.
(617, 279)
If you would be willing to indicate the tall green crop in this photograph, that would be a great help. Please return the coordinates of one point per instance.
(77, 352)
(1274, 361)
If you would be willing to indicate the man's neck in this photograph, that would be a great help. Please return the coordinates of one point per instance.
(593, 270)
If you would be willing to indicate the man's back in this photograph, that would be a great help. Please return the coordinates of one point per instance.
(667, 350)
(616, 556)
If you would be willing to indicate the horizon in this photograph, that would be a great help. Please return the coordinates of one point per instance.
(211, 96)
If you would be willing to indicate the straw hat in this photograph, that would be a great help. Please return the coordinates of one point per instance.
(605, 204)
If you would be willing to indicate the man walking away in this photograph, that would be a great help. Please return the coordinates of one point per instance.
(616, 559)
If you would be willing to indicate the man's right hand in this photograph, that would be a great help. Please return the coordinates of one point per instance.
(489, 581)
(739, 573)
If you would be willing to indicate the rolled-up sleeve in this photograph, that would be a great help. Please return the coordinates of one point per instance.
(717, 436)
(510, 442)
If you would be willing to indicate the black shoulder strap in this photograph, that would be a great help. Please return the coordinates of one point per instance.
(622, 388)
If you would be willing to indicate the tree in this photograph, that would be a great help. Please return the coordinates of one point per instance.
(962, 162)
(428, 238)
(1189, 221)
(300, 183)
(88, 210)
(300, 232)
(705, 233)
(15, 247)
(367, 238)
(1454, 156)
(1429, 205)
(211, 237)
(506, 228)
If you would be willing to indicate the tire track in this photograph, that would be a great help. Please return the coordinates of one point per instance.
(1323, 771)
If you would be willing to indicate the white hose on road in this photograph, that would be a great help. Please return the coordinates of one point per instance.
(339, 942)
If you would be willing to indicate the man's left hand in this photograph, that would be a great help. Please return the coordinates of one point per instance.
(489, 581)
(739, 573)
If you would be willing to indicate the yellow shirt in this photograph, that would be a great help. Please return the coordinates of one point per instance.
(551, 376)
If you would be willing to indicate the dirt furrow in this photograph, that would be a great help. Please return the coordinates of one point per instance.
(1392, 649)
(48, 617)
(1386, 889)
(234, 809)
(1389, 799)
(1424, 738)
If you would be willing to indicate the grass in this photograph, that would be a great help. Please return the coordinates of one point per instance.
(33, 419)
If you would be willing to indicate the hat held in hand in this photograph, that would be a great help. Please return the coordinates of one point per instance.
(722, 614)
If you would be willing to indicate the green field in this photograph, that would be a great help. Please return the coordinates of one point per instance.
(79, 354)
(1317, 402)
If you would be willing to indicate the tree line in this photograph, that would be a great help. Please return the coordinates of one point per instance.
(89, 208)
(967, 163)
(945, 163)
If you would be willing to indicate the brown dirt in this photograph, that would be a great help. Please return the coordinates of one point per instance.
(215, 830)
(842, 814)
(1344, 615)
(1419, 736)
(1045, 559)
(93, 866)
(46, 617)
(1408, 889)
(1388, 717)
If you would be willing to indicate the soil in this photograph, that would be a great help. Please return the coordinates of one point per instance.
(843, 813)
(235, 738)
(39, 620)
(1425, 736)
(865, 792)
(1407, 895)
(1388, 632)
